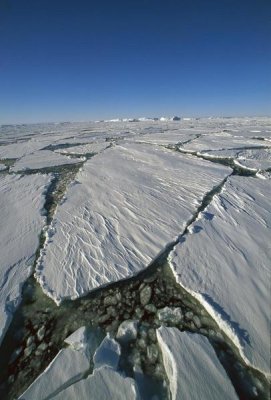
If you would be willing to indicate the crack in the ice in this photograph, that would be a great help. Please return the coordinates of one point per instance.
(238, 169)
(206, 200)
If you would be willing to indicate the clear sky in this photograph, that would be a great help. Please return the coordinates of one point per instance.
(94, 59)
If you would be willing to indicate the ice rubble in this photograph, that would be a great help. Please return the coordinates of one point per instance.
(224, 261)
(21, 222)
(126, 206)
(107, 354)
(67, 375)
(193, 369)
(42, 159)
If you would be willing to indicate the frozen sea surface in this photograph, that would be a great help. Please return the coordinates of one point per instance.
(42, 159)
(225, 262)
(134, 197)
(258, 158)
(21, 221)
(89, 148)
(126, 205)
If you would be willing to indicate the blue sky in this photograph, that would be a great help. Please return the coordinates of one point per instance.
(83, 60)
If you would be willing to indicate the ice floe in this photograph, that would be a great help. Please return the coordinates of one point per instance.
(69, 366)
(21, 221)
(224, 261)
(68, 375)
(107, 354)
(42, 159)
(193, 369)
(89, 148)
(221, 142)
(103, 384)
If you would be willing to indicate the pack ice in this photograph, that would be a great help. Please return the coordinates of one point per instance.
(21, 221)
(42, 159)
(126, 205)
(224, 261)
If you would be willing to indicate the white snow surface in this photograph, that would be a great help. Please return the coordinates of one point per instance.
(225, 263)
(21, 221)
(103, 384)
(165, 138)
(42, 159)
(222, 141)
(89, 148)
(193, 369)
(126, 205)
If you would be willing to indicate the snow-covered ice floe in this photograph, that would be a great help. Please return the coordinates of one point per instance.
(126, 205)
(224, 261)
(165, 138)
(192, 367)
(257, 158)
(21, 149)
(222, 141)
(69, 366)
(21, 221)
(42, 159)
(105, 383)
(89, 148)
(68, 375)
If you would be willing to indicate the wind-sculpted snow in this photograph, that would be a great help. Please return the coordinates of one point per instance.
(42, 159)
(224, 261)
(126, 205)
(193, 369)
(21, 222)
